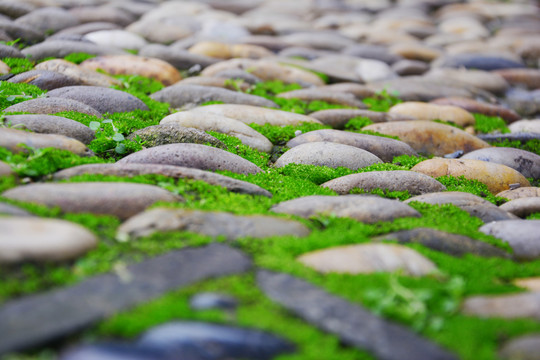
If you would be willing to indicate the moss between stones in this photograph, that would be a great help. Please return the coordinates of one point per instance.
(18, 65)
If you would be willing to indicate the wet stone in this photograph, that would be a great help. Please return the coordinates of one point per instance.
(102, 99)
(38, 319)
(384, 148)
(44, 79)
(515, 306)
(368, 258)
(171, 133)
(192, 95)
(50, 124)
(338, 118)
(364, 208)
(477, 107)
(430, 111)
(328, 154)
(452, 244)
(526, 162)
(34, 239)
(112, 198)
(399, 180)
(12, 210)
(522, 207)
(521, 235)
(526, 347)
(82, 76)
(521, 192)
(62, 48)
(194, 156)
(474, 205)
(134, 169)
(52, 105)
(352, 323)
(496, 177)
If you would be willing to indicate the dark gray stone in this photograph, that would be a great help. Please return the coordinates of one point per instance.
(15, 8)
(453, 244)
(478, 61)
(44, 79)
(38, 319)
(24, 32)
(352, 323)
(172, 133)
(526, 162)
(48, 19)
(9, 51)
(102, 99)
(52, 105)
(120, 351)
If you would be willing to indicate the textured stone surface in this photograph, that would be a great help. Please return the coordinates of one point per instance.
(172, 133)
(11, 139)
(521, 235)
(526, 162)
(38, 319)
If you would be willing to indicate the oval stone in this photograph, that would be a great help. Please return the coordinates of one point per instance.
(485, 80)
(521, 192)
(253, 114)
(525, 347)
(193, 156)
(478, 61)
(521, 235)
(528, 126)
(130, 64)
(322, 94)
(118, 38)
(52, 105)
(526, 162)
(328, 154)
(103, 100)
(111, 198)
(227, 51)
(35, 239)
(209, 223)
(368, 258)
(513, 306)
(44, 79)
(49, 124)
(497, 177)
(173, 133)
(221, 124)
(11, 139)
(384, 148)
(365, 208)
(522, 207)
(74, 71)
(62, 48)
(428, 111)
(397, 180)
(214, 82)
(338, 118)
(48, 19)
(12, 210)
(530, 78)
(477, 107)
(180, 59)
(430, 138)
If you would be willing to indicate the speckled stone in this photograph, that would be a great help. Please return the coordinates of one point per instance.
(172, 133)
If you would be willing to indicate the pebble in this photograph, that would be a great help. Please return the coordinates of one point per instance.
(322, 94)
(44, 79)
(221, 124)
(50, 124)
(79, 74)
(12, 210)
(182, 95)
(528, 78)
(193, 156)
(227, 51)
(4, 68)
(531, 284)
(521, 235)
(213, 224)
(525, 103)
(103, 100)
(328, 154)
(373, 51)
(430, 111)
(526, 162)
(215, 82)
(414, 51)
(15, 9)
(111, 14)
(452, 244)
(130, 64)
(365, 208)
(43, 240)
(13, 30)
(486, 80)
(525, 347)
(11, 139)
(9, 51)
(86, 28)
(398, 180)
(118, 38)
(410, 67)
(496, 177)
(133, 169)
(430, 138)
(180, 59)
(522, 207)
(208, 300)
(111, 198)
(478, 61)
(174, 133)
(368, 258)
(62, 48)
(474, 106)
(521, 192)
(338, 118)
(514, 306)
(48, 19)
(527, 126)
(52, 105)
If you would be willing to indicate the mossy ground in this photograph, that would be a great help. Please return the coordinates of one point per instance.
(429, 305)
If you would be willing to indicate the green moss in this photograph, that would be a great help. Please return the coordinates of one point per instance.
(357, 123)
(78, 58)
(18, 65)
(471, 186)
(135, 84)
(399, 195)
(280, 135)
(531, 145)
(11, 94)
(487, 124)
(236, 147)
(382, 102)
(408, 161)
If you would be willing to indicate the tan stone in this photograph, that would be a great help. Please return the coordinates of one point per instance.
(531, 284)
(428, 111)
(227, 51)
(4, 68)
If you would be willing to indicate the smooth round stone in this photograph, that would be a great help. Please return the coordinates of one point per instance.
(522, 207)
(523, 102)
(453, 244)
(134, 169)
(193, 156)
(368, 258)
(328, 154)
(474, 106)
(172, 134)
(398, 180)
(130, 64)
(365, 208)
(117, 38)
(111, 198)
(413, 51)
(425, 111)
(527, 126)
(207, 300)
(180, 59)
(384, 148)
(338, 118)
(253, 114)
(474, 205)
(214, 82)
(5, 169)
(221, 124)
(478, 61)
(48, 19)
(11, 139)
(429, 137)
(213, 224)
(192, 95)
(227, 51)
(111, 14)
(51, 105)
(531, 284)
(15, 9)
(49, 124)
(526, 347)
(521, 192)
(410, 67)
(514, 306)
(319, 40)
(338, 68)
(370, 70)
(9, 51)
(82, 76)
(4, 68)
(496, 177)
(371, 51)
(233, 74)
(358, 90)
(84, 29)
(322, 94)
(526, 162)
(528, 78)
(120, 351)
(13, 30)
(12, 210)
(62, 48)
(103, 100)
(35, 239)
(44, 79)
